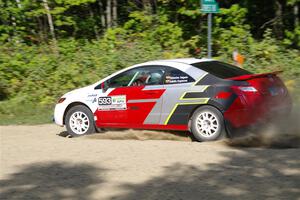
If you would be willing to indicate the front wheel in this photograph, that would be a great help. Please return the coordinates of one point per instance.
(207, 124)
(79, 121)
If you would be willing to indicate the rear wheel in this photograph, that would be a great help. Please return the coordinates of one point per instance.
(207, 124)
(79, 121)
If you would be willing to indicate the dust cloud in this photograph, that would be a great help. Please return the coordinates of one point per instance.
(283, 132)
(130, 134)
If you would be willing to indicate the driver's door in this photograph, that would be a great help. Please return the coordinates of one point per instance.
(130, 98)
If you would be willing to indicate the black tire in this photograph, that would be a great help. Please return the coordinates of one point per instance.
(89, 117)
(100, 130)
(210, 129)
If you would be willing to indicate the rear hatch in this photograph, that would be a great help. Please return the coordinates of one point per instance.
(268, 93)
(262, 91)
(267, 84)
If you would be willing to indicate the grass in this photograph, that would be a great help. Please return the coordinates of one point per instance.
(14, 114)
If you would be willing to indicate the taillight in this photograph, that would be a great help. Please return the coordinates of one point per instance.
(61, 100)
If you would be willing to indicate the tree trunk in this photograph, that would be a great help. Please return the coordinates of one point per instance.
(278, 25)
(102, 14)
(147, 6)
(154, 6)
(40, 29)
(115, 13)
(108, 13)
(296, 15)
(50, 23)
(94, 24)
(19, 4)
(14, 24)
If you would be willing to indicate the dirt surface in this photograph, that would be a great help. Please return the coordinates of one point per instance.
(37, 163)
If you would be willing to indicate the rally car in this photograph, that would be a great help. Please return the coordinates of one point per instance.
(203, 96)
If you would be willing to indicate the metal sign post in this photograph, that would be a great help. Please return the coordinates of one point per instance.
(209, 7)
(209, 25)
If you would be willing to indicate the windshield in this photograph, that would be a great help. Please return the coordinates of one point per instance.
(220, 69)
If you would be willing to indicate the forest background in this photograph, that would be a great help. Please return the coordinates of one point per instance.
(49, 47)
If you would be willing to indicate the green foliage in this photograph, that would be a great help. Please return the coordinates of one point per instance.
(269, 55)
(33, 76)
(154, 29)
(231, 30)
(292, 37)
(37, 71)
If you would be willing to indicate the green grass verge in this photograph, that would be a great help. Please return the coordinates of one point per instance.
(12, 113)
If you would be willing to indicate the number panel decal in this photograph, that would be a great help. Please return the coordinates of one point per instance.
(112, 103)
(104, 101)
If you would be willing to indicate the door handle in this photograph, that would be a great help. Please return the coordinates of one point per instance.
(134, 108)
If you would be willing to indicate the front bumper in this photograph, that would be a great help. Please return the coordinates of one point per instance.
(59, 111)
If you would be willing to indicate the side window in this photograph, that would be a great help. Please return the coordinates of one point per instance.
(137, 77)
(175, 76)
(148, 76)
(123, 79)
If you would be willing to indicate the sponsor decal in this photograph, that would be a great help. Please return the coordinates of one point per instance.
(176, 79)
(92, 95)
(112, 103)
(92, 98)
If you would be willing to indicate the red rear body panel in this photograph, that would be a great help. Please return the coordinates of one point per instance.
(270, 99)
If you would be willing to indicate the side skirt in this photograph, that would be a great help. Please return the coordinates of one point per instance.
(148, 126)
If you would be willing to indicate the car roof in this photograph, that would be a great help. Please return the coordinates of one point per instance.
(177, 63)
(182, 60)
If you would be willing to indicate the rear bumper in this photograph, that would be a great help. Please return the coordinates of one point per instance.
(251, 116)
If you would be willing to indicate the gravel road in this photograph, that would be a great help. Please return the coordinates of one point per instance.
(37, 163)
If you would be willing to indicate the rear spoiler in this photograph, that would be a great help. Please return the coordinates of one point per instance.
(252, 76)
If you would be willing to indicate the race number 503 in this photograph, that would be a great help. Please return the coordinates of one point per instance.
(104, 101)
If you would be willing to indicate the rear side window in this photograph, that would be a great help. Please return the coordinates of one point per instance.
(220, 69)
(175, 76)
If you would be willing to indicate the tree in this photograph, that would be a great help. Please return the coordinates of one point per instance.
(108, 14)
(50, 23)
(102, 14)
(115, 13)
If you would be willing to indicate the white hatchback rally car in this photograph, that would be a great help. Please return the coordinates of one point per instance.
(202, 96)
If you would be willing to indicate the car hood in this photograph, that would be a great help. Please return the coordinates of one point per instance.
(80, 91)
